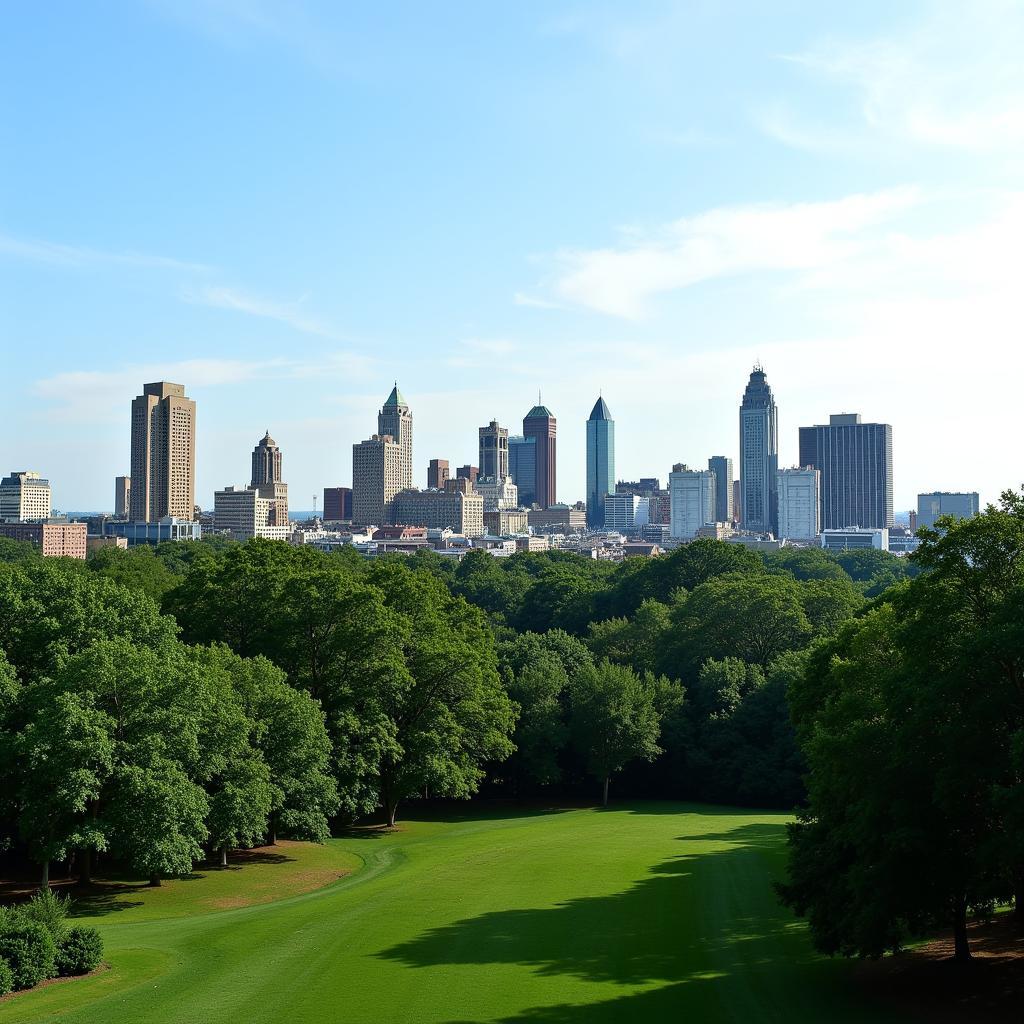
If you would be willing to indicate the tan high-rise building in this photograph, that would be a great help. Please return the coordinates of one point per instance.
(493, 451)
(266, 479)
(24, 495)
(378, 472)
(163, 454)
(457, 507)
(395, 421)
(122, 496)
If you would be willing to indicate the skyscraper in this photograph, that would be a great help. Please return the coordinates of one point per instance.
(438, 473)
(337, 504)
(24, 495)
(267, 480)
(799, 504)
(522, 467)
(961, 504)
(266, 462)
(692, 493)
(395, 420)
(493, 462)
(721, 466)
(122, 495)
(855, 460)
(541, 426)
(378, 464)
(759, 455)
(600, 462)
(163, 454)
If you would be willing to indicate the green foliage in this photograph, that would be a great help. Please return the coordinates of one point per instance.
(49, 910)
(139, 568)
(6, 977)
(29, 949)
(911, 721)
(616, 717)
(79, 951)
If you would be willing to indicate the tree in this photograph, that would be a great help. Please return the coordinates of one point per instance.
(64, 756)
(633, 641)
(540, 732)
(446, 711)
(752, 617)
(615, 719)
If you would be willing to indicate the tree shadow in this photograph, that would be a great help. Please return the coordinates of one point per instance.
(696, 926)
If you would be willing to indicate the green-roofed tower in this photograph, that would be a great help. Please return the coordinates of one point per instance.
(395, 419)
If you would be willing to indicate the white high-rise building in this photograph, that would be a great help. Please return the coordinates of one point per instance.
(799, 503)
(245, 513)
(691, 500)
(619, 511)
(497, 494)
(24, 495)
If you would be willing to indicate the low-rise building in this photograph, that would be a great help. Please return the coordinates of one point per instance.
(853, 537)
(54, 538)
(532, 544)
(337, 504)
(457, 507)
(246, 512)
(959, 504)
(154, 532)
(498, 493)
(94, 542)
(502, 522)
(565, 518)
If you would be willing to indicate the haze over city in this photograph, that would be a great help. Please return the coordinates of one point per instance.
(289, 209)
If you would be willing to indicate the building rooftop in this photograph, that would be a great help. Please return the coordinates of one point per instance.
(600, 410)
(395, 398)
(539, 412)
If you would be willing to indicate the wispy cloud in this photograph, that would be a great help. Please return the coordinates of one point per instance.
(60, 254)
(290, 313)
(534, 301)
(619, 280)
(953, 80)
(476, 352)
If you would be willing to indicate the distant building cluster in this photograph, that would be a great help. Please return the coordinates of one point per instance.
(840, 496)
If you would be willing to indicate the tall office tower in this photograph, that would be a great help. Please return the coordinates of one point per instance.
(759, 455)
(799, 504)
(522, 467)
(722, 468)
(267, 482)
(163, 454)
(735, 501)
(960, 504)
(395, 421)
(541, 425)
(438, 473)
(855, 460)
(337, 504)
(692, 493)
(24, 495)
(266, 462)
(122, 496)
(493, 452)
(600, 462)
(467, 472)
(378, 466)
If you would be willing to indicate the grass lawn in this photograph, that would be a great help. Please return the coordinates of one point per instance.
(650, 912)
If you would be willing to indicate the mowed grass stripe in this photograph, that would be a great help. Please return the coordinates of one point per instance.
(649, 912)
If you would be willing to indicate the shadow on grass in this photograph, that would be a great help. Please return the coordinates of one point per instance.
(703, 927)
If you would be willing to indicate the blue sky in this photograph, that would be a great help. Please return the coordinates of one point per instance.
(287, 206)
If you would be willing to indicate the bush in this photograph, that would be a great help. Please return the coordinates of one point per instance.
(30, 950)
(6, 978)
(49, 910)
(79, 952)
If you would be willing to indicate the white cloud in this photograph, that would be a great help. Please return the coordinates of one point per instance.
(721, 242)
(534, 301)
(60, 254)
(954, 80)
(221, 297)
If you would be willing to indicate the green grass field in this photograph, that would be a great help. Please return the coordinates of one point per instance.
(651, 912)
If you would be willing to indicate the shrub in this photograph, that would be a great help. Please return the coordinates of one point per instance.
(6, 978)
(30, 950)
(49, 910)
(79, 951)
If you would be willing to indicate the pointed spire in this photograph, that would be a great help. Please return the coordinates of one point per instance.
(600, 410)
(395, 398)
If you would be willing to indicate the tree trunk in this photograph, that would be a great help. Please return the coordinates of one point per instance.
(224, 856)
(1018, 897)
(961, 947)
(85, 872)
(604, 801)
(44, 882)
(154, 881)
(392, 809)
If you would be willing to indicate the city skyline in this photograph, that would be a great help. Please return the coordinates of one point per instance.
(568, 204)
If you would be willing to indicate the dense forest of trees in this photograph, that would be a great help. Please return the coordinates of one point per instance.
(161, 705)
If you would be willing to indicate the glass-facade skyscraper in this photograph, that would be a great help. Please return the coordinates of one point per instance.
(855, 461)
(759, 456)
(522, 467)
(541, 426)
(600, 462)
